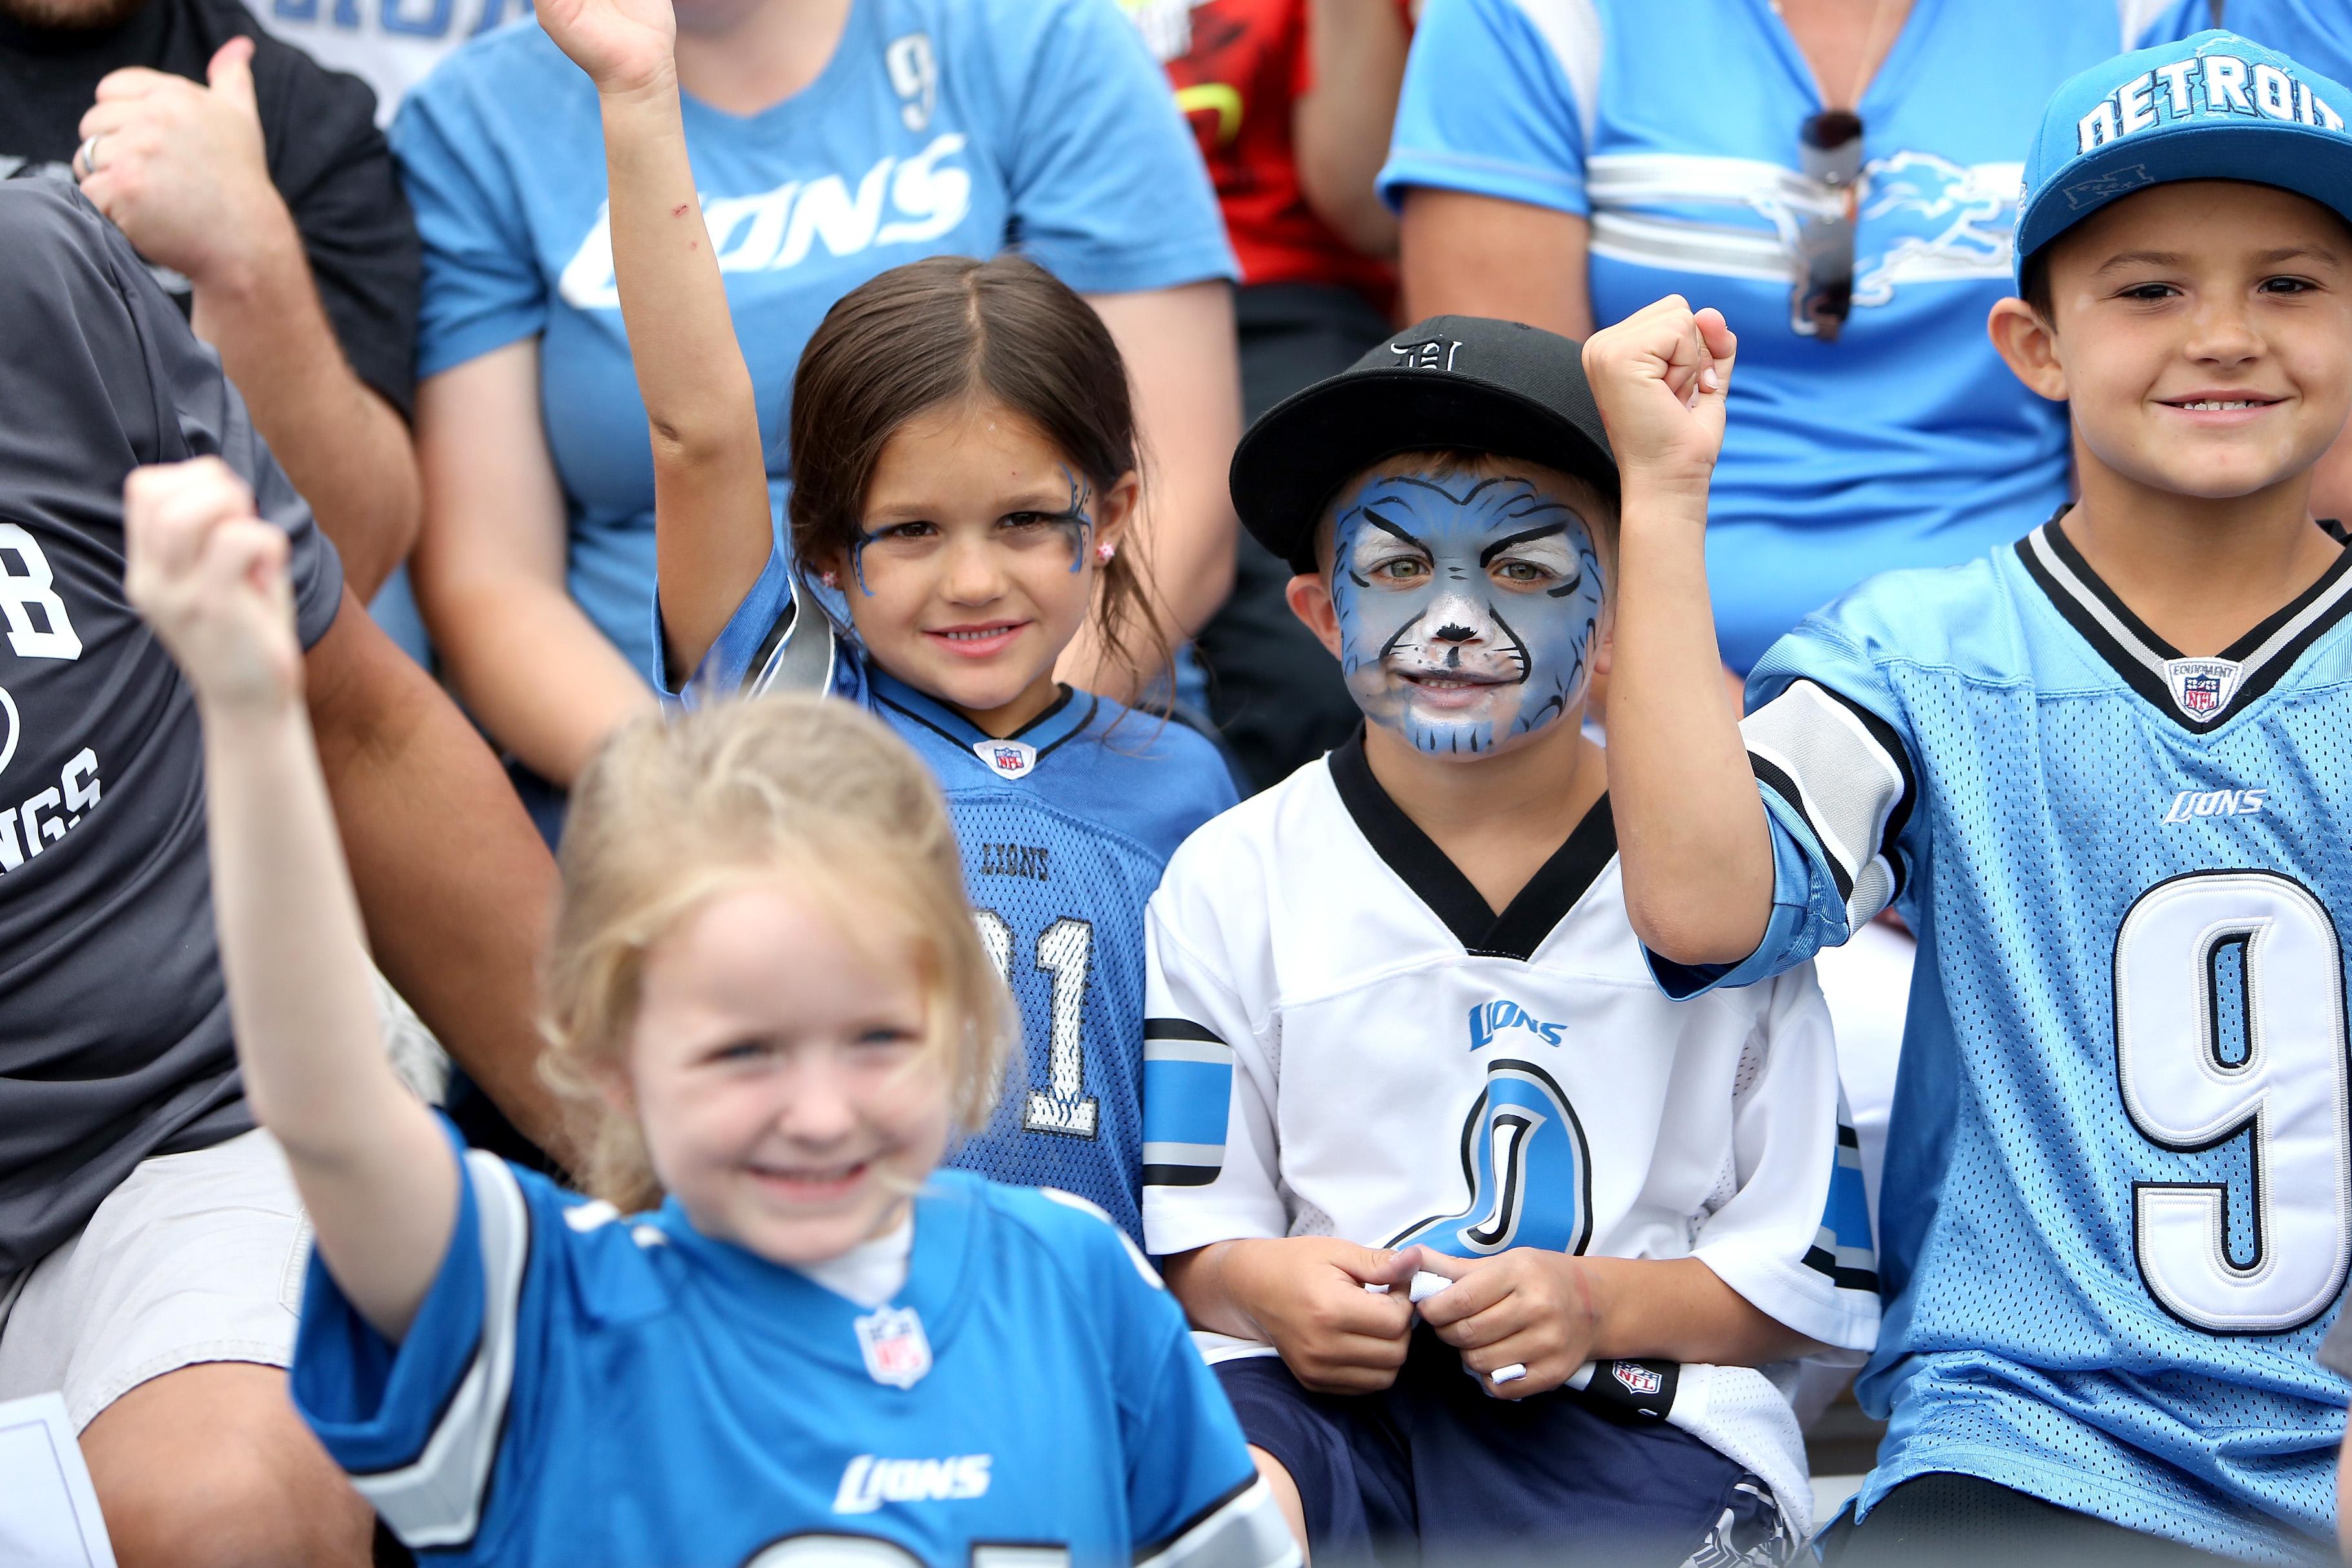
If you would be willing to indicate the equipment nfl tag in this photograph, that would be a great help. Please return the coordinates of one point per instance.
(1011, 759)
(895, 1351)
(2202, 686)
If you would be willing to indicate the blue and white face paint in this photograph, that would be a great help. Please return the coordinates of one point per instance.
(1467, 608)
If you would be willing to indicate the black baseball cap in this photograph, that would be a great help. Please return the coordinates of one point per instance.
(1449, 384)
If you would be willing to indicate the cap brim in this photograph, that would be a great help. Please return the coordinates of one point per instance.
(2303, 159)
(1304, 448)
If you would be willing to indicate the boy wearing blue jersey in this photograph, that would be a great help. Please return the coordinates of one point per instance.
(1400, 1035)
(2102, 774)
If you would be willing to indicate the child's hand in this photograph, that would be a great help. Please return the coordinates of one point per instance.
(1306, 1295)
(1525, 1306)
(1660, 376)
(210, 576)
(623, 44)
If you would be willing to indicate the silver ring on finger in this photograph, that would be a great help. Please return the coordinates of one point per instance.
(85, 155)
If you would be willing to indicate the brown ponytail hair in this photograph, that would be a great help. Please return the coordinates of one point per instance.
(946, 329)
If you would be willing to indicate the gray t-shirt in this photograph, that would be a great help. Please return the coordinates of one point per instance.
(114, 1026)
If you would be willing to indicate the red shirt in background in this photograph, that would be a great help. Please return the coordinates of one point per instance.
(1237, 73)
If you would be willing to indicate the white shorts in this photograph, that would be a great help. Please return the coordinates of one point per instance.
(195, 1257)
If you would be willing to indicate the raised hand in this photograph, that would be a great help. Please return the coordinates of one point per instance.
(210, 577)
(624, 46)
(1660, 377)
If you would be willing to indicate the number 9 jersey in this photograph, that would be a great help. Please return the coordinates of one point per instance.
(2116, 1212)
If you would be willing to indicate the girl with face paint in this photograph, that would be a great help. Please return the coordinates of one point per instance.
(963, 484)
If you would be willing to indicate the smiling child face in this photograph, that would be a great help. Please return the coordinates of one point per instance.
(1467, 602)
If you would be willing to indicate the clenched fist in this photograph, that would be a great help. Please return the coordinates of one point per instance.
(210, 577)
(1660, 377)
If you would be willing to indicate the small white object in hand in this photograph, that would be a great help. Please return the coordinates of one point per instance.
(1426, 1284)
(1511, 1373)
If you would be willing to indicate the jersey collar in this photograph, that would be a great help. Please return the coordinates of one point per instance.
(1437, 882)
(2198, 694)
(823, 1324)
(1014, 756)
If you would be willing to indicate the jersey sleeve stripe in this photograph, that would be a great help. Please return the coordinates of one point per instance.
(1242, 1529)
(437, 1500)
(1846, 773)
(1844, 1246)
(1187, 1092)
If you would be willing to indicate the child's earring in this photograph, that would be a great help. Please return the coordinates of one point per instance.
(1104, 552)
(830, 579)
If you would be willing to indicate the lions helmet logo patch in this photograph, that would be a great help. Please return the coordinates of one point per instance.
(1639, 1380)
(2201, 687)
(897, 1352)
(1430, 354)
(1010, 759)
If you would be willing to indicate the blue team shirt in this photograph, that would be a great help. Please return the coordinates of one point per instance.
(938, 127)
(581, 1388)
(1672, 126)
(2117, 1205)
(2315, 33)
(1065, 827)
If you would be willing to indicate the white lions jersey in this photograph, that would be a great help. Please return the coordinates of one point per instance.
(1345, 1040)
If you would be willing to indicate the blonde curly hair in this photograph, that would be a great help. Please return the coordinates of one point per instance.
(671, 814)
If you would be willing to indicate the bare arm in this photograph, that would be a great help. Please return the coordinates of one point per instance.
(1551, 1312)
(490, 571)
(1180, 354)
(375, 1174)
(1482, 256)
(458, 891)
(1696, 848)
(1339, 126)
(710, 469)
(181, 170)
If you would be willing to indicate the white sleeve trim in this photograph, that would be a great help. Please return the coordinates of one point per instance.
(437, 1499)
(1572, 29)
(1244, 1530)
(1795, 1297)
(1817, 752)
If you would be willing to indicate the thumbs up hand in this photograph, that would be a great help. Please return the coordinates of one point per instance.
(180, 168)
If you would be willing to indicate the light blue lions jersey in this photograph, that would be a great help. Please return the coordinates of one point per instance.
(2117, 1205)
(1065, 828)
(579, 1388)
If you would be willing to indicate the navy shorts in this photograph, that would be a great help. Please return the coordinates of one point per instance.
(1435, 1471)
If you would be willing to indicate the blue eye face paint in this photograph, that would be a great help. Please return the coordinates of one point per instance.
(1075, 523)
(1467, 608)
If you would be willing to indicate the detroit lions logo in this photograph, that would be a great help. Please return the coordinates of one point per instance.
(1489, 1019)
(1525, 1162)
(1961, 221)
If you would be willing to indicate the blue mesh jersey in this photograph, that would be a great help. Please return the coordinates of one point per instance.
(1065, 828)
(2117, 1205)
(578, 1388)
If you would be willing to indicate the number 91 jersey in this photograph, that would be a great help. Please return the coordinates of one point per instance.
(2116, 1212)
(1065, 828)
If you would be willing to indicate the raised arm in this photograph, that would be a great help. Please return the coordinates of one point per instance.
(375, 1172)
(710, 474)
(1694, 843)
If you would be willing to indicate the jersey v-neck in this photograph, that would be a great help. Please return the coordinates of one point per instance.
(1070, 714)
(2148, 663)
(1439, 883)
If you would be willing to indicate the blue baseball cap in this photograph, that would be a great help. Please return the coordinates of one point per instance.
(2211, 107)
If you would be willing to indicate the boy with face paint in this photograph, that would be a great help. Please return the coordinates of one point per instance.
(1487, 1238)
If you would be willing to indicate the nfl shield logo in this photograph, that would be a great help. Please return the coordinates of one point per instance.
(1639, 1380)
(897, 1354)
(1010, 759)
(2201, 687)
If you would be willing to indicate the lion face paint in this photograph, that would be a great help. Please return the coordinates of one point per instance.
(1467, 608)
